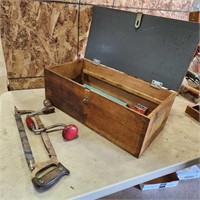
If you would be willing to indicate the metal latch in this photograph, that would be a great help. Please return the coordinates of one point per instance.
(138, 20)
(156, 84)
(85, 100)
(96, 62)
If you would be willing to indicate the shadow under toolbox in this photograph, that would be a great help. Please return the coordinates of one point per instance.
(108, 97)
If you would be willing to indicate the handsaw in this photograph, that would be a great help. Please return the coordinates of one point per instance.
(43, 174)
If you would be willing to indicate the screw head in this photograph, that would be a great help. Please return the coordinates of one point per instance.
(41, 181)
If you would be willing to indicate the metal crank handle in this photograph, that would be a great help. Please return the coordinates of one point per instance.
(32, 127)
(46, 176)
(69, 132)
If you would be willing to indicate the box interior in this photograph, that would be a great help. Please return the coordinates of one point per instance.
(119, 85)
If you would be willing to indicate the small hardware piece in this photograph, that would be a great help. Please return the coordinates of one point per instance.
(138, 20)
(96, 61)
(156, 84)
(85, 100)
(140, 108)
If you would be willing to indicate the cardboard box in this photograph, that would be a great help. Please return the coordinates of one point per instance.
(135, 60)
(167, 181)
(189, 173)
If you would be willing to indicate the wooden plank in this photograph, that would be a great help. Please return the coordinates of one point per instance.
(131, 84)
(124, 87)
(68, 70)
(165, 103)
(119, 93)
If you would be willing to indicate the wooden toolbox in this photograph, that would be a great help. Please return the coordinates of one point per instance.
(115, 98)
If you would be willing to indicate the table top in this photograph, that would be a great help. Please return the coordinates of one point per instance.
(97, 166)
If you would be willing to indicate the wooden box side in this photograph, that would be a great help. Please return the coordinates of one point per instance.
(158, 120)
(69, 70)
(62, 91)
(125, 82)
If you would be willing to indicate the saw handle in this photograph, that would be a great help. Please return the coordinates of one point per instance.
(48, 176)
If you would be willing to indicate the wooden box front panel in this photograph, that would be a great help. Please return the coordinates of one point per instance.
(117, 123)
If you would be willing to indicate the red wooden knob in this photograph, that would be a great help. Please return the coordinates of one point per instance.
(30, 123)
(70, 132)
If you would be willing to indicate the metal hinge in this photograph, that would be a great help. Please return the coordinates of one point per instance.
(138, 20)
(96, 62)
(156, 84)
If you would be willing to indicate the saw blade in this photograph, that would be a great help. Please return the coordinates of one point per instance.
(24, 140)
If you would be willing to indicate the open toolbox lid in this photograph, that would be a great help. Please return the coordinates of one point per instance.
(160, 49)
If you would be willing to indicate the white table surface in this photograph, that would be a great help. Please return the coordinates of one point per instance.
(97, 166)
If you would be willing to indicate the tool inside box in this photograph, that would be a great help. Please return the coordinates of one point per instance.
(120, 86)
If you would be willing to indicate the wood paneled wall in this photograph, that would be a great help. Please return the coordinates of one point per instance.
(38, 34)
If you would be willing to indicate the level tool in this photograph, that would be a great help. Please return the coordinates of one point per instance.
(43, 174)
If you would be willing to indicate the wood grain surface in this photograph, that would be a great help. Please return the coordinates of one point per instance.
(36, 35)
